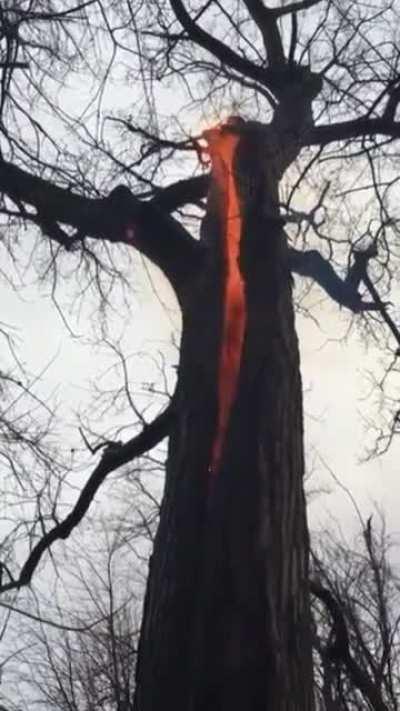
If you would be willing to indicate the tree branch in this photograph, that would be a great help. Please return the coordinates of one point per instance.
(158, 236)
(381, 307)
(340, 652)
(120, 217)
(14, 65)
(392, 102)
(357, 128)
(220, 50)
(295, 7)
(182, 192)
(344, 291)
(379, 573)
(113, 458)
(266, 21)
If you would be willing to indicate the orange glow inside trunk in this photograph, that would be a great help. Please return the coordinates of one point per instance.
(222, 151)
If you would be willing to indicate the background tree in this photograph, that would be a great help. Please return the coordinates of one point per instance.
(356, 589)
(88, 659)
(228, 590)
(355, 606)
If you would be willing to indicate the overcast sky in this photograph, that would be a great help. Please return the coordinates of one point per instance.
(334, 364)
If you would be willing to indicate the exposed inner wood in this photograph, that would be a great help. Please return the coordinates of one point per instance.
(222, 150)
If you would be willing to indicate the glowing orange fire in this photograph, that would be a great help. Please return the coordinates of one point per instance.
(222, 145)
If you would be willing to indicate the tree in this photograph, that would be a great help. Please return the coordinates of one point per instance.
(227, 614)
(356, 589)
(354, 605)
(92, 664)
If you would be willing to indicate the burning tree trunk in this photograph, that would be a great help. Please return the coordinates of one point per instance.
(226, 618)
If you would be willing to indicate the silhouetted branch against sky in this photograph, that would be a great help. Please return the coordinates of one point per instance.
(114, 456)
(102, 108)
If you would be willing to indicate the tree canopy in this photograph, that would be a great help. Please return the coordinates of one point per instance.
(103, 111)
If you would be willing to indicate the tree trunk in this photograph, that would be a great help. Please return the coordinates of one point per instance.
(226, 623)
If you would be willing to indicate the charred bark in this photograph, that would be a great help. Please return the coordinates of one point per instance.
(226, 621)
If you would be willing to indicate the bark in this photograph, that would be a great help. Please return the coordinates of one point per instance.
(226, 621)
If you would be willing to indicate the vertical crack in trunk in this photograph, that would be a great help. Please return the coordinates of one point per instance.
(222, 148)
(226, 624)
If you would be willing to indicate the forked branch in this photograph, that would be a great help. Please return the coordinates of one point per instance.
(266, 21)
(113, 457)
(120, 217)
(311, 263)
(224, 54)
(339, 651)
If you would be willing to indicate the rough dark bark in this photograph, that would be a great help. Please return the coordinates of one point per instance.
(226, 621)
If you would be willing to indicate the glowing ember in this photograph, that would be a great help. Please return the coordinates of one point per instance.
(222, 146)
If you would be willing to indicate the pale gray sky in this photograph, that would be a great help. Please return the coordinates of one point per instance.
(334, 372)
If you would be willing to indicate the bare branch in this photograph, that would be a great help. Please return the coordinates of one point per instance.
(393, 92)
(357, 128)
(293, 39)
(311, 263)
(120, 217)
(295, 7)
(182, 192)
(47, 621)
(341, 651)
(358, 273)
(14, 65)
(266, 21)
(381, 307)
(220, 50)
(113, 458)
